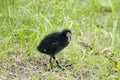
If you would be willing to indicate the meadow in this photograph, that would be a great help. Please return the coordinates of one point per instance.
(94, 51)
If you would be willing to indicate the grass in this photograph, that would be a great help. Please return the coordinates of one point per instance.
(94, 50)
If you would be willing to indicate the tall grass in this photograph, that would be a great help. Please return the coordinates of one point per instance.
(94, 49)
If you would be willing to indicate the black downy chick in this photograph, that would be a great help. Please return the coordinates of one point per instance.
(55, 42)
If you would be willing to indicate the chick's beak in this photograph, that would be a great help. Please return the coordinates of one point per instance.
(69, 40)
(69, 37)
